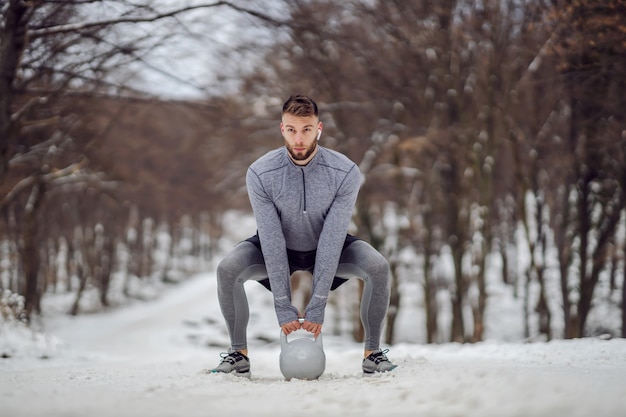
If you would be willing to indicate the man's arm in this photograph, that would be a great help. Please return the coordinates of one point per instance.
(273, 246)
(331, 243)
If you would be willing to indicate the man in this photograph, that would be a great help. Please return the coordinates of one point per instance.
(302, 196)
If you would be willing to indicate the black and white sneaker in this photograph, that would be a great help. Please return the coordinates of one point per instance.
(233, 362)
(377, 362)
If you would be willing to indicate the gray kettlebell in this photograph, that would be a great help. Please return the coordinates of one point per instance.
(302, 358)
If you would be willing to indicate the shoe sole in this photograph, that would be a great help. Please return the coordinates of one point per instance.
(370, 374)
(245, 374)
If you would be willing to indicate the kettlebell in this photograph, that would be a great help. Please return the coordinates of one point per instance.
(302, 358)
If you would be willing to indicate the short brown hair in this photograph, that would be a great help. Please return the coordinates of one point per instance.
(301, 106)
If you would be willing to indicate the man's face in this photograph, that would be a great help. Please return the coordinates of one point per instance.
(300, 135)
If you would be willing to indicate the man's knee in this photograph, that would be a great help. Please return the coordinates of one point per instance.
(223, 267)
(242, 254)
(228, 261)
(382, 263)
(376, 264)
(369, 261)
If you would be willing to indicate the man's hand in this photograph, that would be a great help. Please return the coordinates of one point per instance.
(314, 328)
(292, 326)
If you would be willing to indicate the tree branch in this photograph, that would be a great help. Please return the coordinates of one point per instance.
(73, 27)
(46, 178)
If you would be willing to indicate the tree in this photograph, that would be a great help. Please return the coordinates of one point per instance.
(51, 53)
(591, 53)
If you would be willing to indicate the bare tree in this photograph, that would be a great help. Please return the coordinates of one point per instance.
(590, 53)
(52, 52)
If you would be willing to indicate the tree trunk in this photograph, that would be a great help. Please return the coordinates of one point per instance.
(30, 255)
(394, 304)
(106, 259)
(543, 310)
(624, 284)
(12, 43)
(458, 297)
(79, 269)
(82, 278)
(430, 296)
(479, 308)
(624, 309)
(608, 224)
(526, 305)
(30, 265)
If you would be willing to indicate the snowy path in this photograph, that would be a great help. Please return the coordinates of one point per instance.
(142, 361)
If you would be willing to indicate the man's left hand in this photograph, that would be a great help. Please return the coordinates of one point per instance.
(314, 328)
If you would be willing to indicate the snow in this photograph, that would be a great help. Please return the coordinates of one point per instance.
(150, 359)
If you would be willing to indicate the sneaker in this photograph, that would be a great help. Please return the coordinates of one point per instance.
(233, 362)
(377, 362)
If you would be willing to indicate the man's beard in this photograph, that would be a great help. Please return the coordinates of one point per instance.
(303, 155)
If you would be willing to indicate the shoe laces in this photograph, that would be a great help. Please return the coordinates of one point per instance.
(229, 357)
(379, 356)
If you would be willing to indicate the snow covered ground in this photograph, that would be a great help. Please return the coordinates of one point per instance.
(150, 359)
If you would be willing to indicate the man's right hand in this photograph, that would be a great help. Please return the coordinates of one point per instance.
(291, 327)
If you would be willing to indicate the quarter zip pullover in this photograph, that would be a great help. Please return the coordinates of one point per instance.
(302, 208)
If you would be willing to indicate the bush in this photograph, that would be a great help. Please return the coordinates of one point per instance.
(12, 307)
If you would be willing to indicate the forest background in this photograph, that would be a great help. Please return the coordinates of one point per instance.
(491, 137)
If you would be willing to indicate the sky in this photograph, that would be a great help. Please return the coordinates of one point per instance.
(191, 62)
(150, 358)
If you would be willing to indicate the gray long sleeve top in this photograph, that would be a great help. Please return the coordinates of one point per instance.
(302, 208)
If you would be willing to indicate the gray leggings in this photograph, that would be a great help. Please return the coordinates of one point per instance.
(358, 260)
